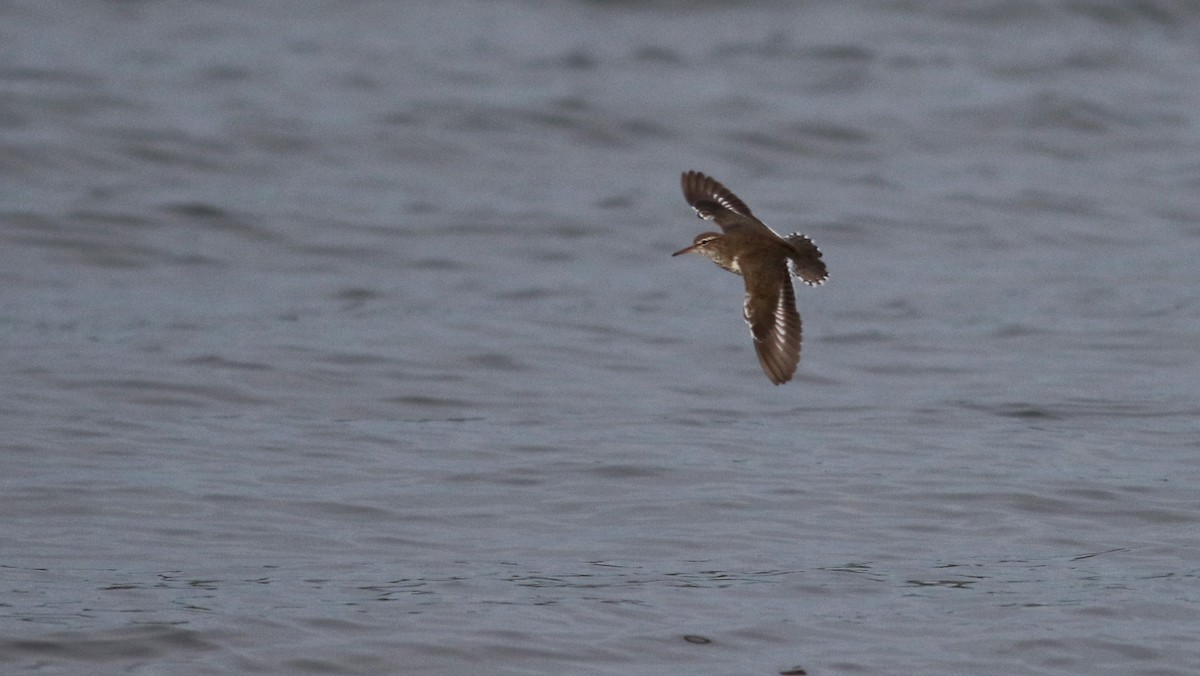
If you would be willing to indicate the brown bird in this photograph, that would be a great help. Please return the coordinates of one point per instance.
(747, 247)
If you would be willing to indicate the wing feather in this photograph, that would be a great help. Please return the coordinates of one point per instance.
(714, 202)
(770, 310)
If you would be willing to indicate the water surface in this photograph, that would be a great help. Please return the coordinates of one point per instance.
(345, 338)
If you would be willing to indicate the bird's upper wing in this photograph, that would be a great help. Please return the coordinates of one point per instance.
(714, 202)
(770, 310)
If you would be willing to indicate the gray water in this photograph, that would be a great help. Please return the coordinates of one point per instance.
(344, 338)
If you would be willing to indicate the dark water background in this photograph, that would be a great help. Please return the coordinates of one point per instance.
(342, 337)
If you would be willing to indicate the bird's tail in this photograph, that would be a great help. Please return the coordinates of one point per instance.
(806, 259)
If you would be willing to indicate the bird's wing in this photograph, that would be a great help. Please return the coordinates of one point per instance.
(806, 259)
(770, 310)
(714, 202)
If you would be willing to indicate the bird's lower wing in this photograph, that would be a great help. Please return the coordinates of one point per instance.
(770, 310)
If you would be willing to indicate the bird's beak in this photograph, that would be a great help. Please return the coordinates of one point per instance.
(684, 250)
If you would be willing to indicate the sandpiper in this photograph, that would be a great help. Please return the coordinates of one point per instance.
(747, 247)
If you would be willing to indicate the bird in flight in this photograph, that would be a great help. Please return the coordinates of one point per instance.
(747, 247)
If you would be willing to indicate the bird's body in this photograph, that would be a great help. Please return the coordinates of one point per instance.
(747, 247)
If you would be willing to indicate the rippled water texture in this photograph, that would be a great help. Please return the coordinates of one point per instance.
(344, 338)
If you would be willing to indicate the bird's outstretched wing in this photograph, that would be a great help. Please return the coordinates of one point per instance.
(714, 202)
(770, 310)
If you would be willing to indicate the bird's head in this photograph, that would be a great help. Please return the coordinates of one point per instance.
(702, 244)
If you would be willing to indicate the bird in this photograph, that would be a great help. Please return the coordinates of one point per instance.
(747, 247)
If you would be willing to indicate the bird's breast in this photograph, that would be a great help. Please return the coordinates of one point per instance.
(730, 263)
